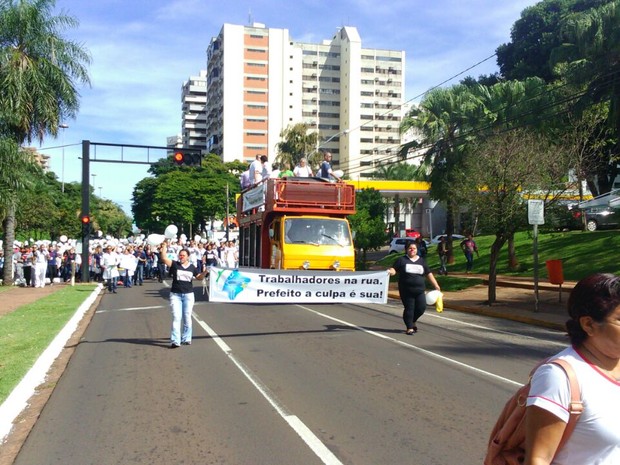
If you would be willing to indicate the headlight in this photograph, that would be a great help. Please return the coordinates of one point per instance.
(336, 265)
(306, 265)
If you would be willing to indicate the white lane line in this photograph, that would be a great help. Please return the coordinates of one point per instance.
(133, 309)
(315, 444)
(411, 346)
(495, 330)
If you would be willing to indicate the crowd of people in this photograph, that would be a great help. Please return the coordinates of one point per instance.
(127, 262)
(262, 169)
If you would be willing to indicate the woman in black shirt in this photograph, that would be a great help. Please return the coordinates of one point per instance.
(411, 270)
(181, 295)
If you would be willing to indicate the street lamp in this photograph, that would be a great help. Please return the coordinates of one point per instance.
(93, 176)
(332, 137)
(63, 126)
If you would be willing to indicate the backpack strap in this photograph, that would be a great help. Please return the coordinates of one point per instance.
(575, 407)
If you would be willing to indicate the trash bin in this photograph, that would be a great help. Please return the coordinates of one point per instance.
(555, 272)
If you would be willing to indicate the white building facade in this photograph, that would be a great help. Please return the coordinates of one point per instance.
(193, 107)
(259, 82)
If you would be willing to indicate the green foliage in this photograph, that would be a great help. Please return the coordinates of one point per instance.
(402, 172)
(368, 223)
(39, 72)
(296, 144)
(582, 253)
(39, 69)
(186, 195)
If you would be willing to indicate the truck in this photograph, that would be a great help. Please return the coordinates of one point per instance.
(296, 223)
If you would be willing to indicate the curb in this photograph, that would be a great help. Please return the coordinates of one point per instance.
(495, 314)
(17, 400)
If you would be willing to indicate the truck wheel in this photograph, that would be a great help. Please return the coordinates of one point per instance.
(591, 225)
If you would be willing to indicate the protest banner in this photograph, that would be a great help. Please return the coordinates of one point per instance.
(254, 285)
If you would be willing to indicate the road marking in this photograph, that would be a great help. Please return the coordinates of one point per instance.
(315, 444)
(487, 328)
(132, 309)
(419, 349)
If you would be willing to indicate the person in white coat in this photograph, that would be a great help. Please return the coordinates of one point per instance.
(109, 263)
(41, 256)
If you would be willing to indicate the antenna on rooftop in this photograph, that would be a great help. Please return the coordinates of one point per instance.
(249, 17)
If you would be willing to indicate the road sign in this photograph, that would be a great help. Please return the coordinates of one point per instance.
(536, 212)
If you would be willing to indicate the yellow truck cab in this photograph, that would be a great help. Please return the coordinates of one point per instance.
(296, 223)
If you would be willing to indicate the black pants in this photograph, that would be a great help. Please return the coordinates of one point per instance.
(27, 274)
(415, 306)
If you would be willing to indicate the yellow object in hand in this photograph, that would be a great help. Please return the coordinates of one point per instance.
(439, 304)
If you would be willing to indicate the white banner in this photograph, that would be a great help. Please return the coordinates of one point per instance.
(254, 198)
(254, 285)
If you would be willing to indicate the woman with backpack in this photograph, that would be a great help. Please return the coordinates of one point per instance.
(594, 355)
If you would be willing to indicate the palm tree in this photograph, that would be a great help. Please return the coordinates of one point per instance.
(401, 172)
(589, 60)
(39, 72)
(443, 120)
(296, 144)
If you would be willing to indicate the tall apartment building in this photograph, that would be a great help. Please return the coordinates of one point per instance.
(259, 82)
(194, 119)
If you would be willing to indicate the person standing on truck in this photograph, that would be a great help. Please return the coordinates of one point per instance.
(325, 171)
(265, 167)
(256, 171)
(303, 170)
(181, 295)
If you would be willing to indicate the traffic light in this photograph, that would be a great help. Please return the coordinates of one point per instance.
(187, 158)
(85, 226)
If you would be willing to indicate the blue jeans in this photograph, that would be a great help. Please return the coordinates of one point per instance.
(138, 276)
(181, 306)
(469, 258)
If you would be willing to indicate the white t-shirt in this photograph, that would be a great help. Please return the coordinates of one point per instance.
(255, 172)
(596, 438)
(302, 171)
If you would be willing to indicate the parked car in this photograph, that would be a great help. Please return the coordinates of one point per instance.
(398, 244)
(599, 216)
(455, 238)
(410, 232)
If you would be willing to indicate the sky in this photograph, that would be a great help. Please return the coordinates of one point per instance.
(144, 50)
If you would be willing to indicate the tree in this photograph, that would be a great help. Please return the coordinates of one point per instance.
(534, 37)
(296, 144)
(501, 169)
(589, 62)
(186, 196)
(367, 223)
(402, 172)
(39, 71)
(443, 119)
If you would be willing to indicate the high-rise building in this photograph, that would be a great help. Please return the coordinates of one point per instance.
(194, 101)
(259, 82)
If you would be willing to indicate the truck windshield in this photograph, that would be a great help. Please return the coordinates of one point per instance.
(317, 231)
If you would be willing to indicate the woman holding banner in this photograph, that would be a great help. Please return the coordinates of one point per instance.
(181, 295)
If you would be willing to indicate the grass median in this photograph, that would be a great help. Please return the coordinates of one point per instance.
(26, 332)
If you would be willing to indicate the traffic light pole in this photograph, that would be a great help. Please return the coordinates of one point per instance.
(85, 269)
(188, 156)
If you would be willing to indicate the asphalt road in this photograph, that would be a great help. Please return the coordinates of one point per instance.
(285, 384)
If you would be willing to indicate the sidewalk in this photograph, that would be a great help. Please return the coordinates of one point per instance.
(515, 300)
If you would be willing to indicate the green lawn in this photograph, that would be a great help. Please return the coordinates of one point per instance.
(26, 332)
(582, 253)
